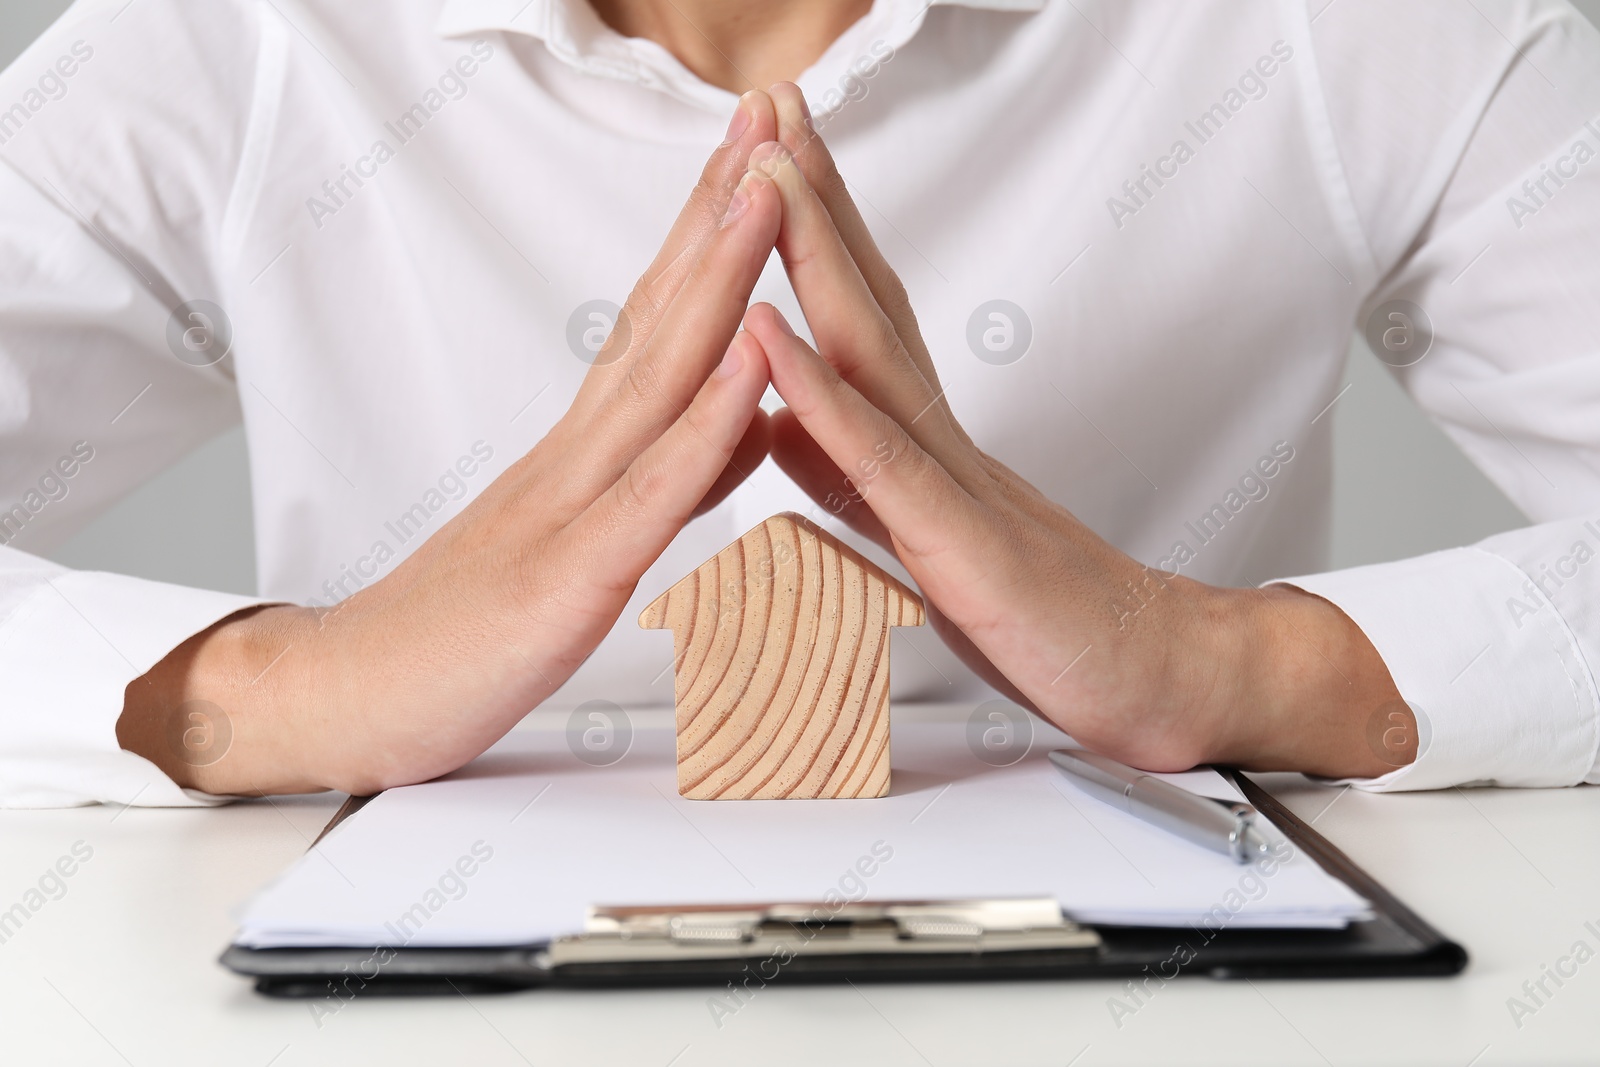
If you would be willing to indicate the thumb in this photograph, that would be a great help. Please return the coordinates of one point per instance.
(748, 454)
(799, 456)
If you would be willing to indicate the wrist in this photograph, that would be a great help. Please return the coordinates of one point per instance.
(1306, 691)
(219, 712)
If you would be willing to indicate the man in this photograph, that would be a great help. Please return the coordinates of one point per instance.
(1076, 316)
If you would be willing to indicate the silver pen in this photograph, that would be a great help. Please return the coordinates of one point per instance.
(1221, 825)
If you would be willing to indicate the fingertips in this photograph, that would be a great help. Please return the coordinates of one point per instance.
(732, 361)
(774, 161)
(754, 120)
(798, 133)
(756, 206)
(779, 343)
(793, 115)
(801, 376)
(691, 338)
(754, 123)
(743, 372)
(806, 228)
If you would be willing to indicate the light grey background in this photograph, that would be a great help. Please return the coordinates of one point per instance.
(1401, 488)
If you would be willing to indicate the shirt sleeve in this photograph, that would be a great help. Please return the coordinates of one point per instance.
(1469, 137)
(98, 392)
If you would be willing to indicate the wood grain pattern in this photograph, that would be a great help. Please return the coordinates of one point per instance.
(781, 645)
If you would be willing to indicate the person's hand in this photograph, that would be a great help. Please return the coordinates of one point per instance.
(421, 671)
(1021, 589)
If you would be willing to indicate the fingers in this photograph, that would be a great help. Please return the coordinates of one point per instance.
(753, 123)
(923, 507)
(630, 524)
(748, 454)
(704, 314)
(752, 120)
(653, 388)
(796, 133)
(851, 330)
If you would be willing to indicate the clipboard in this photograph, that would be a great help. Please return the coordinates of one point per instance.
(903, 941)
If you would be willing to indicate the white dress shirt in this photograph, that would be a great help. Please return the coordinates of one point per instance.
(412, 214)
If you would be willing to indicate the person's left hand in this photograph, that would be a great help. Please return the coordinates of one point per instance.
(1021, 589)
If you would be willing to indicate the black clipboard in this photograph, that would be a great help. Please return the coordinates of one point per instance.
(1395, 942)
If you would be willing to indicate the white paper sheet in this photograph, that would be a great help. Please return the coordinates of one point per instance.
(514, 848)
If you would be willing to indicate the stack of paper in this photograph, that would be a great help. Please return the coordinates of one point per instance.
(514, 848)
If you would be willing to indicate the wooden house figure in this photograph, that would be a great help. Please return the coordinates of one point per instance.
(781, 660)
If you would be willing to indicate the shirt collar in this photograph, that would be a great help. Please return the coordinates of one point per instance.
(573, 33)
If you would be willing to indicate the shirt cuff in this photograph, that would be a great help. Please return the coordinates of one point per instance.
(67, 654)
(1503, 696)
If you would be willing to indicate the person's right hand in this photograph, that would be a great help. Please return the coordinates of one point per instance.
(423, 670)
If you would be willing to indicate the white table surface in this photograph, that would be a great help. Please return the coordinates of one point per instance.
(121, 969)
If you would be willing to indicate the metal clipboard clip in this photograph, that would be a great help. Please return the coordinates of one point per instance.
(757, 931)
